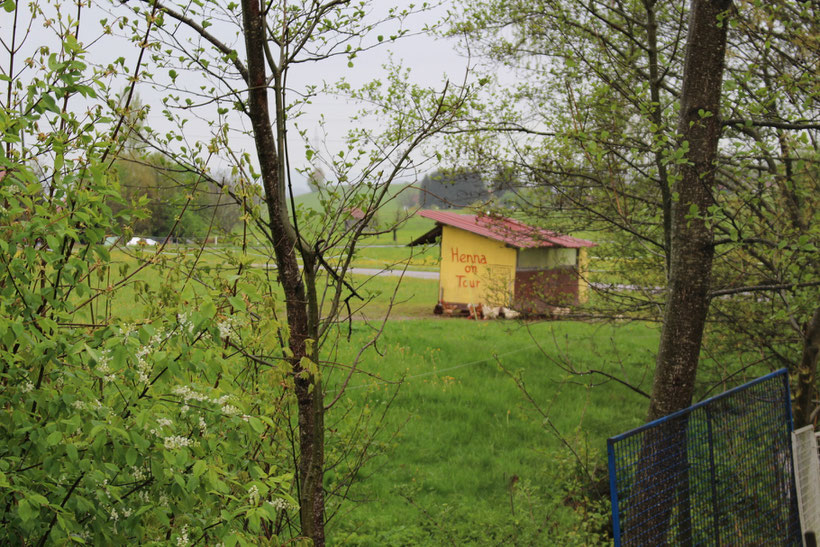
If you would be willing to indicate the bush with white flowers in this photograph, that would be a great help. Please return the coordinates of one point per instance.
(112, 432)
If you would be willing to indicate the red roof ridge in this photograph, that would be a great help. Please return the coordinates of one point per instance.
(355, 212)
(507, 230)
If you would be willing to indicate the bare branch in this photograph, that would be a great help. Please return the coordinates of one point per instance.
(213, 40)
(795, 126)
(763, 288)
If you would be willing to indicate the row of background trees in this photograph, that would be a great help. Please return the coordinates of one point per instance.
(162, 189)
(591, 128)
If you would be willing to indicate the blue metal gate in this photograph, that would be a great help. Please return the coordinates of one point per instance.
(716, 473)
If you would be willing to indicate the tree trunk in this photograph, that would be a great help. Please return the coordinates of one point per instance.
(692, 237)
(663, 454)
(807, 372)
(308, 390)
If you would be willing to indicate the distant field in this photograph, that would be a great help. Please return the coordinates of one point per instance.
(391, 213)
(386, 250)
(410, 298)
(464, 458)
(415, 298)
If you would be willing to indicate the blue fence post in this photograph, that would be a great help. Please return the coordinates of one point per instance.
(613, 492)
(794, 508)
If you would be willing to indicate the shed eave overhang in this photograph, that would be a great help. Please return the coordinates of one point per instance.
(427, 238)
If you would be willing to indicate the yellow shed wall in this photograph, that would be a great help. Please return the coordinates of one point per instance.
(475, 269)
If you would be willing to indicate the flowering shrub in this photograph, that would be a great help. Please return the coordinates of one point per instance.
(115, 433)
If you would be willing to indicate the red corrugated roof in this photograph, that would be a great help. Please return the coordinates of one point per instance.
(513, 233)
(356, 213)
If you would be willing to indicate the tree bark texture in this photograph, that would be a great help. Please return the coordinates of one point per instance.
(692, 237)
(806, 390)
(308, 391)
(662, 482)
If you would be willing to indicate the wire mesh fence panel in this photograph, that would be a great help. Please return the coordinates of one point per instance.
(717, 473)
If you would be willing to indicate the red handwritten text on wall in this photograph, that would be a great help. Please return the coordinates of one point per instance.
(467, 258)
(470, 260)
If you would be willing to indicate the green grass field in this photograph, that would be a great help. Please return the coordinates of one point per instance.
(465, 456)
(469, 440)
(404, 298)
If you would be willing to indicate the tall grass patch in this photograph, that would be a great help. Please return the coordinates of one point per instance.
(474, 460)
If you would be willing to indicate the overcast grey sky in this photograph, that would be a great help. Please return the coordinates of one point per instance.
(431, 62)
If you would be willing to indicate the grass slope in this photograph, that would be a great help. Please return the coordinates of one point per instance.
(471, 447)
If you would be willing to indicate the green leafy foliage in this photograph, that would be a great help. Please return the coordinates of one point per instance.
(173, 201)
(589, 130)
(117, 432)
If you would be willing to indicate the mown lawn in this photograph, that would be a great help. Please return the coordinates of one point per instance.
(403, 298)
(465, 454)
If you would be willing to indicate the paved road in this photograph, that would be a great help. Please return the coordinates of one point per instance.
(374, 272)
(434, 275)
(395, 273)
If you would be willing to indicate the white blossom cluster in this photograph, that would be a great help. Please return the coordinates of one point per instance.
(96, 405)
(184, 323)
(28, 386)
(182, 539)
(280, 504)
(229, 325)
(188, 394)
(225, 327)
(126, 330)
(253, 494)
(103, 366)
(230, 410)
(143, 367)
(125, 512)
(176, 441)
(138, 473)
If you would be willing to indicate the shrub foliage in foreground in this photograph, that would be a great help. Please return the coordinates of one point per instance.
(116, 433)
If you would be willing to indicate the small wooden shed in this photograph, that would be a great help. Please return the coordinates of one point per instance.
(497, 261)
